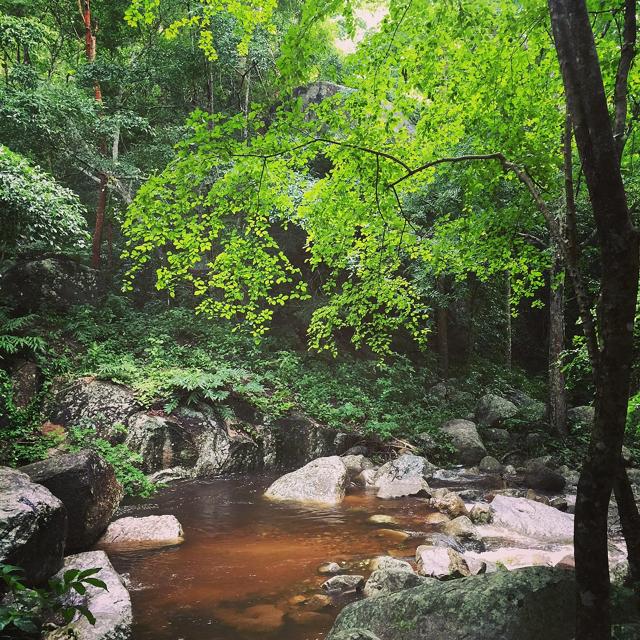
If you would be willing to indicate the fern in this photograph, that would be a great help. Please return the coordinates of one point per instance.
(11, 342)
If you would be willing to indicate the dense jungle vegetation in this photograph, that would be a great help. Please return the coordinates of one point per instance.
(332, 207)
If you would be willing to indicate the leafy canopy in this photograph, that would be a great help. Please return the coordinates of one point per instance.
(35, 211)
(439, 80)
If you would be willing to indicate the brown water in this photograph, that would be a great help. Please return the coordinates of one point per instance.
(245, 558)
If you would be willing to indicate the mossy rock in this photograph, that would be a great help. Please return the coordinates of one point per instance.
(526, 604)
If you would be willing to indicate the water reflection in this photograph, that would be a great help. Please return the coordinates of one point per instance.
(248, 567)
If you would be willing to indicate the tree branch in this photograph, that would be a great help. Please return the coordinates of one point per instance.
(627, 55)
(571, 251)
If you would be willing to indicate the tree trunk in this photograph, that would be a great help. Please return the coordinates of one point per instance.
(507, 319)
(630, 521)
(618, 245)
(90, 53)
(557, 391)
(442, 329)
(97, 233)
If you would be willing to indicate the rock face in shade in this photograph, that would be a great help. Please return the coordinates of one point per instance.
(492, 410)
(146, 531)
(195, 441)
(323, 481)
(161, 441)
(526, 604)
(87, 487)
(538, 476)
(104, 404)
(466, 441)
(531, 518)
(46, 283)
(111, 608)
(33, 526)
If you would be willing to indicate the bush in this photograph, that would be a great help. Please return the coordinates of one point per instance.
(124, 461)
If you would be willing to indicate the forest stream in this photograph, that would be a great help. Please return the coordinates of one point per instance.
(246, 561)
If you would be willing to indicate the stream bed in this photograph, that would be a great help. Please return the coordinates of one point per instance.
(245, 559)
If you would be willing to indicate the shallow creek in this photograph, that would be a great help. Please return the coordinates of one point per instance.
(244, 559)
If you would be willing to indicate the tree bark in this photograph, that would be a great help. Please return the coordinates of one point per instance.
(618, 245)
(508, 325)
(90, 54)
(630, 521)
(557, 388)
(442, 329)
(97, 232)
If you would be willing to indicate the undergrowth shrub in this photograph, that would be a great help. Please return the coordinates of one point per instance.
(126, 463)
(24, 611)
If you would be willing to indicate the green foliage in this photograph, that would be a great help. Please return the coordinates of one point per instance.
(35, 211)
(12, 339)
(248, 16)
(20, 439)
(141, 349)
(24, 610)
(125, 462)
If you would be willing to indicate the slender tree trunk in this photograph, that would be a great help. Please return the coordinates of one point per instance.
(557, 390)
(630, 521)
(627, 507)
(472, 284)
(442, 328)
(618, 244)
(508, 325)
(90, 53)
(97, 233)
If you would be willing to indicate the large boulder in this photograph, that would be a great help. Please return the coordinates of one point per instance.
(492, 410)
(323, 480)
(146, 532)
(384, 581)
(356, 464)
(33, 526)
(404, 476)
(87, 487)
(219, 449)
(466, 441)
(162, 442)
(516, 558)
(582, 416)
(527, 604)
(540, 477)
(49, 283)
(111, 607)
(531, 518)
(104, 405)
(440, 562)
(295, 439)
